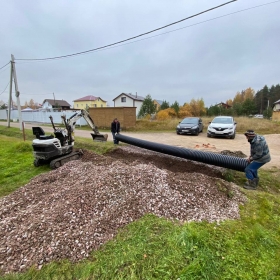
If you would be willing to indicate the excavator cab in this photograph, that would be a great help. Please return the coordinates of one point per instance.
(40, 133)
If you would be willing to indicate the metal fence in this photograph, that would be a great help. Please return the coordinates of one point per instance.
(40, 116)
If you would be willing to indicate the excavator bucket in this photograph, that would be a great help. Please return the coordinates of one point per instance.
(99, 137)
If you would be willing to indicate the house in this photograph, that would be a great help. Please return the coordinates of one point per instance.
(158, 103)
(51, 104)
(129, 100)
(224, 105)
(89, 101)
(276, 106)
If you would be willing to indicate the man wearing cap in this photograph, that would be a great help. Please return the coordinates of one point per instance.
(259, 155)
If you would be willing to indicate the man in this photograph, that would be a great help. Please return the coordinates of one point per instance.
(259, 155)
(115, 128)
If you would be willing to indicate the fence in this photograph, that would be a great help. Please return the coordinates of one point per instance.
(40, 116)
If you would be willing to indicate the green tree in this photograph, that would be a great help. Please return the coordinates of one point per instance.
(248, 107)
(176, 107)
(164, 105)
(267, 113)
(237, 109)
(213, 111)
(148, 107)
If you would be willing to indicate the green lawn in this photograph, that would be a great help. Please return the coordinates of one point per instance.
(155, 248)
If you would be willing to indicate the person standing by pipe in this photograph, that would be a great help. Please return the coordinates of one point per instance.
(259, 155)
(115, 128)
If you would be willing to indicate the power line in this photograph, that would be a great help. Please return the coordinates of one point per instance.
(100, 49)
(5, 65)
(131, 38)
(5, 87)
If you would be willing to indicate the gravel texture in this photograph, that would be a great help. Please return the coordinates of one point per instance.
(70, 211)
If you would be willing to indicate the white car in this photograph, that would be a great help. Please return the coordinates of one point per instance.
(258, 116)
(222, 126)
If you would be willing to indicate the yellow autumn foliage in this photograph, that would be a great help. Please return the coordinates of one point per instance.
(166, 114)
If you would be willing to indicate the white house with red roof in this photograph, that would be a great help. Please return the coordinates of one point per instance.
(89, 101)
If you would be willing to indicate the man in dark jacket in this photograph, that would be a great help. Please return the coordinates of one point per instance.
(259, 155)
(115, 128)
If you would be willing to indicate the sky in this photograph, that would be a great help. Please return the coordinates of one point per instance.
(211, 56)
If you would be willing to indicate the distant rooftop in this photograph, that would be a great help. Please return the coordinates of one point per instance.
(89, 98)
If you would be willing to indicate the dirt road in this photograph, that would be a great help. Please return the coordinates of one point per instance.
(201, 142)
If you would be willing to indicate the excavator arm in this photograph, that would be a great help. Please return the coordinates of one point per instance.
(71, 122)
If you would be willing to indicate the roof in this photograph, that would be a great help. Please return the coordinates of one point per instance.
(55, 102)
(27, 109)
(132, 96)
(276, 102)
(158, 101)
(89, 98)
(223, 104)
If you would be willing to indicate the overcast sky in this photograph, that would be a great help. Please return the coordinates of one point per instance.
(211, 56)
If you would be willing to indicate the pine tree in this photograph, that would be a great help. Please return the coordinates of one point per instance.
(148, 107)
(164, 105)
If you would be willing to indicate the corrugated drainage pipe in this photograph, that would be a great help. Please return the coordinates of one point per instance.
(225, 161)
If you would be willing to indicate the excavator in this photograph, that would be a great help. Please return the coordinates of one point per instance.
(58, 149)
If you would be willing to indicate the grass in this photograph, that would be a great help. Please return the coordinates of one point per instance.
(156, 248)
(261, 126)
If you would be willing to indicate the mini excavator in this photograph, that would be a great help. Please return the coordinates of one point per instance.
(58, 149)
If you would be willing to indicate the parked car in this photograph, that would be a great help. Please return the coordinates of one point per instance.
(191, 125)
(258, 116)
(222, 126)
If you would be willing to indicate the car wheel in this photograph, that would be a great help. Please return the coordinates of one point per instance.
(208, 135)
(197, 132)
(233, 136)
(178, 133)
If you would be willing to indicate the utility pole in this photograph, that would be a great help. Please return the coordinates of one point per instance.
(53, 101)
(13, 76)
(10, 95)
(17, 93)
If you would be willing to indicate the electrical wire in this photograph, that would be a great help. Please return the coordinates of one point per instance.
(174, 30)
(5, 88)
(131, 38)
(111, 45)
(4, 65)
(99, 49)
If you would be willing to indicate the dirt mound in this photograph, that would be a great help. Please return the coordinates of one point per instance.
(233, 153)
(68, 212)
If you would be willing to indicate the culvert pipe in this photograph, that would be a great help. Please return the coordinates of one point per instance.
(230, 162)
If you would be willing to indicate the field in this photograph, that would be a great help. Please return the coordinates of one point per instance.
(141, 207)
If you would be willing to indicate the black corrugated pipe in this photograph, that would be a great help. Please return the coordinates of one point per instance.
(225, 161)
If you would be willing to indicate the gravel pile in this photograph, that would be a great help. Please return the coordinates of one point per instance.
(68, 212)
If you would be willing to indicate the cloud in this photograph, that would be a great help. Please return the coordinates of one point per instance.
(212, 60)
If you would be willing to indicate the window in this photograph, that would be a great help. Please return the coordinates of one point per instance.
(94, 105)
(77, 105)
(123, 99)
(101, 105)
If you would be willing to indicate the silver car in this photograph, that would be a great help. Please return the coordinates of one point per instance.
(222, 126)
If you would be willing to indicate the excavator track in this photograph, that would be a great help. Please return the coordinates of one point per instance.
(56, 163)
